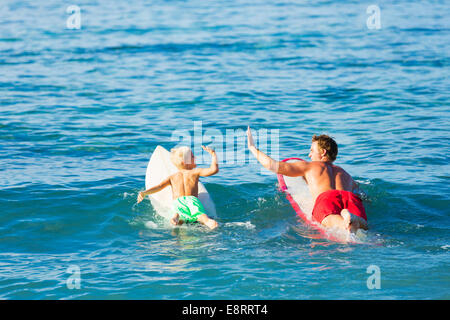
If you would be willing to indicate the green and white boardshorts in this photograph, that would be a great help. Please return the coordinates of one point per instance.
(189, 208)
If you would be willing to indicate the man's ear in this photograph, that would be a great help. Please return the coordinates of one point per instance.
(324, 152)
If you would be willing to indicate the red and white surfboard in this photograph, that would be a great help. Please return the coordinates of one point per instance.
(301, 200)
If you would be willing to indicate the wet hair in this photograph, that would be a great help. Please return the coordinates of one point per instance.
(327, 143)
(180, 155)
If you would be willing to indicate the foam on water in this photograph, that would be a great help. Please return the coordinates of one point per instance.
(246, 225)
(151, 225)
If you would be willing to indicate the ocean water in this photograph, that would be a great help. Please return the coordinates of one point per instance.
(81, 111)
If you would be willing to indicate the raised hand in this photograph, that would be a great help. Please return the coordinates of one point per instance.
(250, 141)
(209, 150)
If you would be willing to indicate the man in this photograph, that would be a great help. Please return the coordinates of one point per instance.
(335, 204)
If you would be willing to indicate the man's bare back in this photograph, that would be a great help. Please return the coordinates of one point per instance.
(323, 176)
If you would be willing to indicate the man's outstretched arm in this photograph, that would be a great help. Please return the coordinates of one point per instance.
(292, 169)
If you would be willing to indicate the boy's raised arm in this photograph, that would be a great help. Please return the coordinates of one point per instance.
(214, 168)
(159, 187)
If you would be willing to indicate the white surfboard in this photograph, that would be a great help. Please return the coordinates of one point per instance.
(299, 190)
(159, 168)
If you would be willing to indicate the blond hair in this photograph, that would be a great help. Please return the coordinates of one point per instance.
(180, 156)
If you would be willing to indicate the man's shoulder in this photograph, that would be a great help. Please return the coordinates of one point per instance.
(323, 165)
(317, 164)
(339, 169)
(316, 167)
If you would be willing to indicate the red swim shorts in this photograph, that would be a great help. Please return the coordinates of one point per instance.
(333, 201)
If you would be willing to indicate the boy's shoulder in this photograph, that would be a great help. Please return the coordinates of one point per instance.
(194, 172)
(183, 172)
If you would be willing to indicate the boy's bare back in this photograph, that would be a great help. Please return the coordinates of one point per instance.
(184, 183)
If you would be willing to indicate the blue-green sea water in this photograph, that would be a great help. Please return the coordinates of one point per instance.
(81, 111)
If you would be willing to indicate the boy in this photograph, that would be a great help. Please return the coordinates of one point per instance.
(184, 183)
